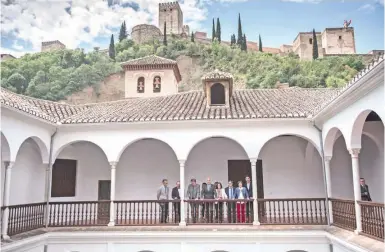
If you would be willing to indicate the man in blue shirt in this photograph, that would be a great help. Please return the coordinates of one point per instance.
(230, 191)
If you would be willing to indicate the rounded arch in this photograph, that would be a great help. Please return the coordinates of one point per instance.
(358, 126)
(213, 137)
(144, 138)
(42, 148)
(61, 148)
(218, 94)
(330, 138)
(5, 148)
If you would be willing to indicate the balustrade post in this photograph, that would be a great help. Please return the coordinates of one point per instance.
(182, 193)
(7, 188)
(112, 194)
(253, 162)
(47, 190)
(356, 186)
(328, 186)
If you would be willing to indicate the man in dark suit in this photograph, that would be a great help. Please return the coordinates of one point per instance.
(209, 193)
(365, 195)
(249, 205)
(230, 192)
(175, 195)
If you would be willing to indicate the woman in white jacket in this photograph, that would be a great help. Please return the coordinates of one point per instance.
(220, 194)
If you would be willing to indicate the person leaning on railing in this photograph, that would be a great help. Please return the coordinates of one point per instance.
(193, 193)
(365, 195)
(241, 194)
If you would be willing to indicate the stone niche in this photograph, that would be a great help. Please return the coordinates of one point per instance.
(218, 88)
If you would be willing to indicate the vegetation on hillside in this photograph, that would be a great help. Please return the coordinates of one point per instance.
(55, 75)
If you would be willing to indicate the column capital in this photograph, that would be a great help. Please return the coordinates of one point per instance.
(182, 162)
(253, 161)
(327, 158)
(113, 165)
(9, 164)
(354, 152)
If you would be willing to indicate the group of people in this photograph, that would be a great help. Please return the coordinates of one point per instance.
(237, 211)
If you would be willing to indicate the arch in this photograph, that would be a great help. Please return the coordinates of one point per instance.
(141, 85)
(296, 250)
(42, 148)
(58, 151)
(358, 126)
(144, 138)
(330, 138)
(218, 94)
(5, 148)
(157, 84)
(216, 136)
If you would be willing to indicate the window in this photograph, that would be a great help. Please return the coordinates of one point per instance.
(63, 178)
(310, 41)
(157, 82)
(140, 85)
(218, 94)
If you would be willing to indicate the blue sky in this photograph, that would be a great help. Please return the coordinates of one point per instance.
(91, 22)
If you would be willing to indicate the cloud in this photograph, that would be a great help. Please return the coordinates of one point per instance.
(82, 21)
(367, 8)
(303, 1)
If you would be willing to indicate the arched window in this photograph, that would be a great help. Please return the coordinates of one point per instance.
(157, 83)
(140, 85)
(218, 94)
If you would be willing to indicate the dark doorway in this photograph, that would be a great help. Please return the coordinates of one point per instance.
(218, 94)
(104, 193)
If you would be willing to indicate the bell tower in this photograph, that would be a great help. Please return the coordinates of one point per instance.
(172, 14)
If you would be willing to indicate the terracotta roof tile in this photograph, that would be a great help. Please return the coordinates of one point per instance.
(149, 60)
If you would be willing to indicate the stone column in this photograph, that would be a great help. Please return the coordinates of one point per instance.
(253, 162)
(328, 185)
(112, 194)
(356, 186)
(7, 190)
(47, 190)
(182, 193)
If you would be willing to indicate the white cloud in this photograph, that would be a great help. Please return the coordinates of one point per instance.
(44, 20)
(367, 8)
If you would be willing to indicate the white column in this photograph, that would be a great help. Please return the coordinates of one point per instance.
(356, 186)
(7, 188)
(47, 190)
(253, 162)
(328, 185)
(182, 193)
(112, 194)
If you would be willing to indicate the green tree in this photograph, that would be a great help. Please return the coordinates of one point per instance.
(111, 50)
(244, 43)
(260, 43)
(164, 34)
(17, 81)
(240, 33)
(218, 31)
(213, 36)
(123, 32)
(192, 37)
(315, 46)
(233, 40)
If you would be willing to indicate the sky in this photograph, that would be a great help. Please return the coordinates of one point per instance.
(89, 23)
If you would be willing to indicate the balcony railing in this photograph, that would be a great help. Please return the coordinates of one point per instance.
(344, 214)
(372, 215)
(26, 217)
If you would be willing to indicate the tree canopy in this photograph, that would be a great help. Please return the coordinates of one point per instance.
(57, 74)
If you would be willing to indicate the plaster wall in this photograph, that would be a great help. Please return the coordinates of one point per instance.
(169, 84)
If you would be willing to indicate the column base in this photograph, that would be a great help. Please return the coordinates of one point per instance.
(6, 237)
(357, 232)
(256, 223)
(111, 224)
(182, 224)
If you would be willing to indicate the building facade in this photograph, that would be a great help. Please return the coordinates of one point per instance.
(47, 46)
(304, 149)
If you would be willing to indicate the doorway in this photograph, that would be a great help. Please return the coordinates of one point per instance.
(104, 193)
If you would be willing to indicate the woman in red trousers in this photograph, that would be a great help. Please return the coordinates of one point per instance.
(241, 193)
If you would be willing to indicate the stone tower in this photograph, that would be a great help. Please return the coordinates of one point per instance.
(172, 14)
(339, 40)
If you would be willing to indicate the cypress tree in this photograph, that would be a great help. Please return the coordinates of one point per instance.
(218, 31)
(214, 34)
(244, 41)
(192, 37)
(232, 40)
(240, 33)
(260, 43)
(164, 35)
(315, 46)
(111, 50)
(123, 31)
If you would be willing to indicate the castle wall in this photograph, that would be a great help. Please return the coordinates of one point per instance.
(52, 47)
(303, 45)
(169, 84)
(145, 33)
(339, 41)
(173, 16)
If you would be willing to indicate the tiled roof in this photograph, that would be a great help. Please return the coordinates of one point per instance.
(149, 60)
(216, 74)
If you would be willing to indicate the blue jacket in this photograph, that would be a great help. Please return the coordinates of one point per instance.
(238, 191)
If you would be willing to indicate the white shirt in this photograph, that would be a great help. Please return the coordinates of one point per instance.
(241, 195)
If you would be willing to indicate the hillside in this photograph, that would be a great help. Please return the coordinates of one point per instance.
(60, 74)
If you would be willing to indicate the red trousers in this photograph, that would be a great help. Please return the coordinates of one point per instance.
(241, 218)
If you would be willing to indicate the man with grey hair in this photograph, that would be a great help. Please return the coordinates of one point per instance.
(194, 193)
(162, 195)
(209, 193)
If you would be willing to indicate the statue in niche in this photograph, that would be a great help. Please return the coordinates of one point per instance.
(140, 85)
(157, 84)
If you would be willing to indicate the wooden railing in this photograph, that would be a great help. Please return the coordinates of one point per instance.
(305, 211)
(147, 212)
(26, 217)
(1, 217)
(372, 215)
(79, 213)
(344, 214)
(219, 211)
